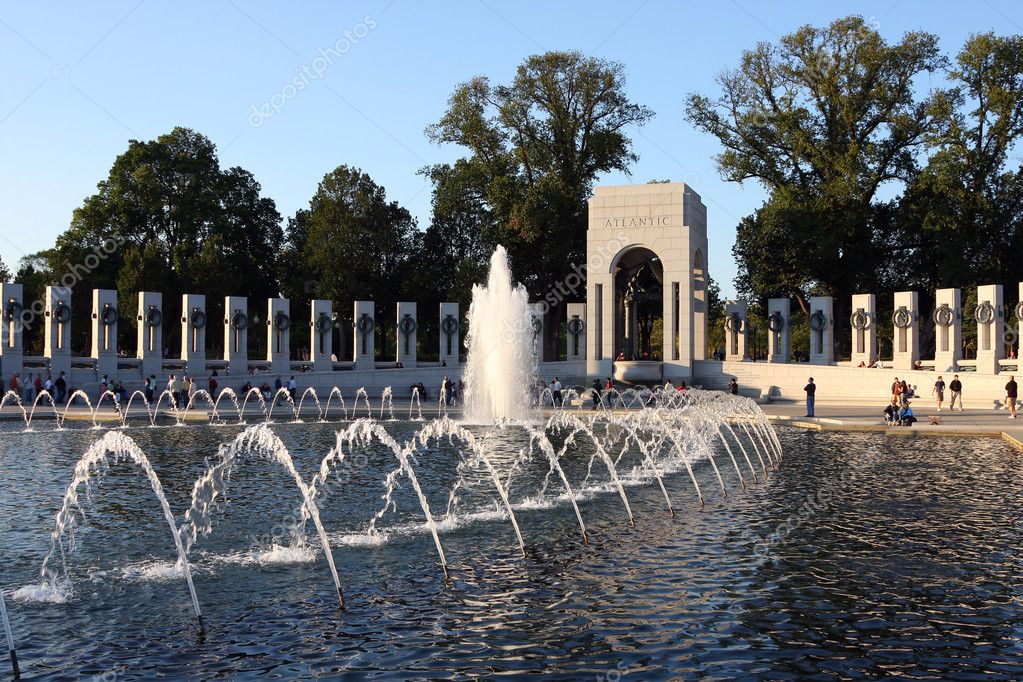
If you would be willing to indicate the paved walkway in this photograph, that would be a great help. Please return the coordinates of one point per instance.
(829, 417)
(842, 417)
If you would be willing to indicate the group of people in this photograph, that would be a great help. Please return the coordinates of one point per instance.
(955, 387)
(900, 411)
(452, 391)
(33, 386)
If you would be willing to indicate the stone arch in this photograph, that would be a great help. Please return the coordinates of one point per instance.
(638, 302)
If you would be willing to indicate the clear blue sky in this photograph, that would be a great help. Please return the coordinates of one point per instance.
(78, 80)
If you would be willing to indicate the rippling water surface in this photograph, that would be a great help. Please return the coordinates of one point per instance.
(860, 556)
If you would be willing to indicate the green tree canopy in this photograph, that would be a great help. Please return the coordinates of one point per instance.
(353, 243)
(178, 224)
(535, 148)
(963, 215)
(823, 119)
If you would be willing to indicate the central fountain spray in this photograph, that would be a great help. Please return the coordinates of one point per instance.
(501, 362)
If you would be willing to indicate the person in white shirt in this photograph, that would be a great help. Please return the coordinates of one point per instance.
(556, 391)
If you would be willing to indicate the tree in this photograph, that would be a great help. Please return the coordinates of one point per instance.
(34, 274)
(5, 274)
(355, 244)
(168, 218)
(536, 146)
(963, 215)
(462, 235)
(822, 120)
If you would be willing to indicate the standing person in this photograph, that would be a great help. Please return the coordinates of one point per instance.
(556, 392)
(61, 386)
(896, 391)
(811, 396)
(956, 387)
(175, 389)
(278, 385)
(939, 391)
(292, 387)
(213, 385)
(1010, 396)
(733, 386)
(26, 391)
(595, 394)
(190, 383)
(48, 387)
(608, 387)
(37, 385)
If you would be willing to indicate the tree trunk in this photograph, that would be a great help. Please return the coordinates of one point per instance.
(804, 304)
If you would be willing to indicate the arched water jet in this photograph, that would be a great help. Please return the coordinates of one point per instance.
(415, 403)
(548, 449)
(228, 392)
(572, 421)
(362, 432)
(387, 400)
(446, 427)
(335, 391)
(316, 399)
(742, 448)
(261, 440)
(127, 408)
(728, 449)
(11, 650)
(685, 460)
(95, 461)
(761, 420)
(35, 405)
(742, 423)
(12, 397)
(282, 391)
(245, 403)
(361, 393)
(648, 459)
(202, 394)
(757, 429)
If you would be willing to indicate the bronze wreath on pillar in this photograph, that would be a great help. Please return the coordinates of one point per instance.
(61, 312)
(239, 321)
(944, 316)
(109, 315)
(860, 320)
(197, 319)
(902, 318)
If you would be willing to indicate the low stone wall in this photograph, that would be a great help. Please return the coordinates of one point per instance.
(375, 381)
(852, 385)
